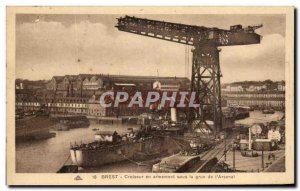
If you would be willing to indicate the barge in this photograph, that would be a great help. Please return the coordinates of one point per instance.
(180, 162)
(34, 128)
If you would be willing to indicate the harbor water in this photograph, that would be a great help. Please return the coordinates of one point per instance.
(47, 156)
(259, 117)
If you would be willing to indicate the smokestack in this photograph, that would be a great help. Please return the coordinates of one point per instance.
(173, 115)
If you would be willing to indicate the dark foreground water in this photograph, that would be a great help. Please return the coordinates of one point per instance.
(47, 156)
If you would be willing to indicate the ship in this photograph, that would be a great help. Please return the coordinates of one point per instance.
(239, 112)
(268, 111)
(34, 128)
(154, 140)
(110, 147)
(65, 123)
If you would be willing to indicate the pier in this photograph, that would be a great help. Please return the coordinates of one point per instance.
(114, 120)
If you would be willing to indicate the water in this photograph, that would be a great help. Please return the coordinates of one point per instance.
(259, 117)
(47, 156)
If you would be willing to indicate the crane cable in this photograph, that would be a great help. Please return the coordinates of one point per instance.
(185, 61)
(188, 62)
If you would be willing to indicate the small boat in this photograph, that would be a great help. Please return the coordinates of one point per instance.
(268, 111)
(61, 127)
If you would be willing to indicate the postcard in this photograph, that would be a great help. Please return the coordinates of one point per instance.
(150, 96)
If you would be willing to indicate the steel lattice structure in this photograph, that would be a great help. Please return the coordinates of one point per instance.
(205, 79)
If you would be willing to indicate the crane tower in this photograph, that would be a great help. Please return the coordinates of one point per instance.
(205, 78)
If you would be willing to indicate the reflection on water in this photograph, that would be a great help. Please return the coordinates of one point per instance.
(49, 155)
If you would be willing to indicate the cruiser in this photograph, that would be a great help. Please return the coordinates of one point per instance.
(110, 147)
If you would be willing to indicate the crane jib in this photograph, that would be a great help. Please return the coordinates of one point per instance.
(189, 34)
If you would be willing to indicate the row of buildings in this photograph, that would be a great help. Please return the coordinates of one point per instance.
(254, 86)
(259, 95)
(77, 106)
(84, 85)
(79, 94)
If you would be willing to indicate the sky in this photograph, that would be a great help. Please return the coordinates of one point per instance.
(57, 45)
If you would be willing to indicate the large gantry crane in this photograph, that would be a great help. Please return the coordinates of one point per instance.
(205, 79)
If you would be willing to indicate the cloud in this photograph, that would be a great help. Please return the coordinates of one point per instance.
(255, 62)
(50, 48)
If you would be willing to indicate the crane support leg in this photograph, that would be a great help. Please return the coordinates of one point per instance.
(206, 83)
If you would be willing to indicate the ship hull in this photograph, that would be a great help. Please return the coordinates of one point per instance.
(34, 128)
(136, 151)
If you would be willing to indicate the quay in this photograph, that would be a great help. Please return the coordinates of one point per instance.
(114, 120)
(101, 119)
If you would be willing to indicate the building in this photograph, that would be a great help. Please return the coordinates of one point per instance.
(26, 100)
(30, 85)
(68, 106)
(57, 106)
(253, 88)
(95, 109)
(166, 86)
(79, 94)
(55, 83)
(281, 86)
(258, 99)
(90, 84)
(233, 88)
(146, 83)
(258, 94)
(31, 104)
